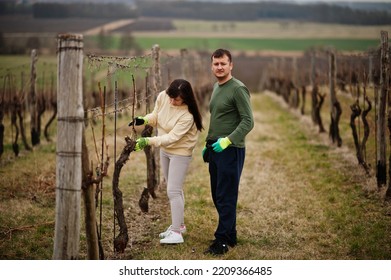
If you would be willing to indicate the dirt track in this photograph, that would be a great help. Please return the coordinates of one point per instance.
(108, 27)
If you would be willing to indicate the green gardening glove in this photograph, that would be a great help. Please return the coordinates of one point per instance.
(138, 121)
(141, 143)
(221, 144)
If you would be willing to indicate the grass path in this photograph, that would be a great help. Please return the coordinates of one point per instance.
(300, 198)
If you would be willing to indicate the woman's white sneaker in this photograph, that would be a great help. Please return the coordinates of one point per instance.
(165, 233)
(172, 238)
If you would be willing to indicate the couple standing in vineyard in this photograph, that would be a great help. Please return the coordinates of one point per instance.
(178, 120)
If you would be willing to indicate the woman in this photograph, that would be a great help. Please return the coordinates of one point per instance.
(178, 121)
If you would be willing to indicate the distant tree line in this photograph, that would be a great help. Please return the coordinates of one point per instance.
(325, 13)
(320, 12)
(69, 10)
(83, 10)
(9, 7)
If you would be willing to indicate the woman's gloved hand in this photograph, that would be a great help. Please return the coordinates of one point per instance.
(138, 121)
(141, 143)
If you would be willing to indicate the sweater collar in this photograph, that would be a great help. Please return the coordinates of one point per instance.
(227, 82)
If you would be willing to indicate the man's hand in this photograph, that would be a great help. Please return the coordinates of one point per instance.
(138, 121)
(221, 144)
(141, 143)
(204, 150)
(205, 154)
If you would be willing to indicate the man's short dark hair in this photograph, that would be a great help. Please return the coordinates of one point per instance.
(220, 53)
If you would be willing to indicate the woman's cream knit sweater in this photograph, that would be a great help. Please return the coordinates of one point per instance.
(177, 132)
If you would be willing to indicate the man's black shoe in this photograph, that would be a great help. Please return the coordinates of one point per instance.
(217, 248)
(230, 243)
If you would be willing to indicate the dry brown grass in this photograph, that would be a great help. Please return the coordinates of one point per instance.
(299, 199)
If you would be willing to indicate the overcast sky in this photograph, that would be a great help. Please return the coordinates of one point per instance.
(387, 1)
(307, 1)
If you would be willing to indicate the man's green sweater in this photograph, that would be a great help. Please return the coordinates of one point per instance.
(231, 114)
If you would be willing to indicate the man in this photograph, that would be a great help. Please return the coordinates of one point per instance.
(230, 121)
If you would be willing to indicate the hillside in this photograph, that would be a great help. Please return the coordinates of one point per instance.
(191, 25)
(383, 5)
(325, 12)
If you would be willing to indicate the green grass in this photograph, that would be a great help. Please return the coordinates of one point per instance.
(249, 44)
(46, 68)
(276, 29)
(252, 44)
(18, 68)
(45, 64)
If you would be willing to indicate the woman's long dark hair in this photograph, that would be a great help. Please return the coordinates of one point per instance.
(182, 88)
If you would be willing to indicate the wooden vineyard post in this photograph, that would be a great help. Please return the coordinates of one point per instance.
(384, 84)
(70, 120)
(370, 69)
(152, 153)
(2, 109)
(296, 97)
(22, 107)
(35, 137)
(381, 165)
(185, 65)
(157, 77)
(314, 97)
